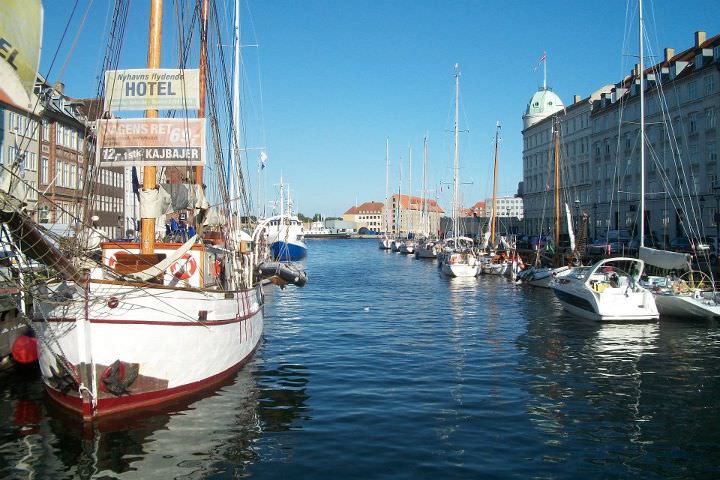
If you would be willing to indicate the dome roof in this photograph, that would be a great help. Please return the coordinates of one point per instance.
(542, 104)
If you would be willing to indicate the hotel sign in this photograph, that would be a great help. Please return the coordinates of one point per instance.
(151, 141)
(152, 89)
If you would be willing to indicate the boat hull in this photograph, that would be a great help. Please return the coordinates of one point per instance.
(614, 305)
(687, 306)
(132, 348)
(289, 251)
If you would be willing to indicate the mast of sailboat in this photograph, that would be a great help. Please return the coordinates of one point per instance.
(556, 157)
(424, 214)
(387, 185)
(493, 213)
(642, 128)
(202, 75)
(235, 149)
(147, 233)
(456, 158)
(410, 213)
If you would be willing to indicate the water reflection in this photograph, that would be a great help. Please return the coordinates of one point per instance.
(214, 435)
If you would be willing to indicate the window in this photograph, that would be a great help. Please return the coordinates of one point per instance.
(692, 90)
(45, 136)
(711, 149)
(709, 84)
(44, 170)
(73, 170)
(32, 190)
(692, 122)
(710, 118)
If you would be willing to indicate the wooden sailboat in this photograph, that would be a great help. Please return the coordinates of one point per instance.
(538, 275)
(497, 263)
(154, 320)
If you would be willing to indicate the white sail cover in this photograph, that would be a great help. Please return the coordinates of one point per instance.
(571, 234)
(665, 259)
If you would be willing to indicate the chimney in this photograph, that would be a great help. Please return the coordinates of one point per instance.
(59, 87)
(669, 53)
(699, 38)
(576, 98)
(636, 70)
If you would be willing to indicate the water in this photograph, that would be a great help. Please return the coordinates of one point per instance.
(382, 368)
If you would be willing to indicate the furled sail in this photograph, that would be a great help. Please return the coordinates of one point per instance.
(665, 259)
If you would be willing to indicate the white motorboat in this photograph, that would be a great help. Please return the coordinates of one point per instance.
(607, 291)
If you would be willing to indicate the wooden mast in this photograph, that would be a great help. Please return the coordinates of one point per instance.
(202, 75)
(147, 234)
(556, 156)
(493, 213)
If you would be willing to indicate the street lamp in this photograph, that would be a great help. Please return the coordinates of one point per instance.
(701, 201)
(716, 190)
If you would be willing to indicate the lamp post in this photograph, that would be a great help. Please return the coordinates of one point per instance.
(701, 201)
(509, 219)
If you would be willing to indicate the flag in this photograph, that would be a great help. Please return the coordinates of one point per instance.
(542, 59)
(135, 183)
(263, 159)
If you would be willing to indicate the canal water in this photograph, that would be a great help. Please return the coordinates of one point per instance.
(382, 368)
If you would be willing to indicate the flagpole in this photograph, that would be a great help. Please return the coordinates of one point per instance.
(544, 70)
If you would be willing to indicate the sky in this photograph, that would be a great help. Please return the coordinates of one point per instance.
(327, 81)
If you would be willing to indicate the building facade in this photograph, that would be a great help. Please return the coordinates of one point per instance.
(599, 150)
(66, 173)
(19, 142)
(368, 215)
(407, 215)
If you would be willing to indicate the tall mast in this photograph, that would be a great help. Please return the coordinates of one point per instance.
(642, 130)
(410, 214)
(424, 215)
(147, 235)
(456, 156)
(387, 184)
(493, 213)
(556, 157)
(234, 151)
(202, 74)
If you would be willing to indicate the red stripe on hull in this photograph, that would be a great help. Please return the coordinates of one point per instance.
(111, 406)
(206, 323)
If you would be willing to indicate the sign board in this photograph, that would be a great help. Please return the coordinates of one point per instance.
(152, 89)
(20, 39)
(151, 141)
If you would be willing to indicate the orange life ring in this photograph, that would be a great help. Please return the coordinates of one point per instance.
(184, 270)
(112, 260)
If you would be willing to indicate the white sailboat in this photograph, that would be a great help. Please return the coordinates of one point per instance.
(611, 289)
(692, 296)
(407, 245)
(458, 258)
(153, 320)
(427, 245)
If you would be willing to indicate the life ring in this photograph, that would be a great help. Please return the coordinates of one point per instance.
(112, 261)
(218, 267)
(184, 270)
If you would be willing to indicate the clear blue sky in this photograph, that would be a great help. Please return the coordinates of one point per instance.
(339, 76)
